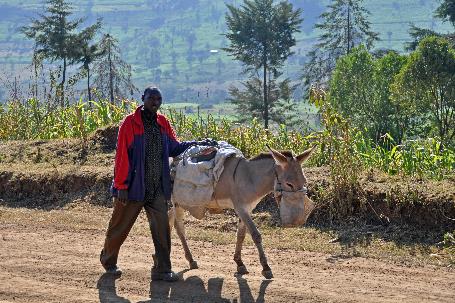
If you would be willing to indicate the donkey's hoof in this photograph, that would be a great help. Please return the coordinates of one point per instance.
(193, 265)
(241, 270)
(267, 274)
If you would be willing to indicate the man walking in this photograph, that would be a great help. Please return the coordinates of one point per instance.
(145, 142)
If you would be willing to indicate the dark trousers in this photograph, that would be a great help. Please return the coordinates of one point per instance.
(122, 220)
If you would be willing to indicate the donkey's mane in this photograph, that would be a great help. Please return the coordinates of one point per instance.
(286, 153)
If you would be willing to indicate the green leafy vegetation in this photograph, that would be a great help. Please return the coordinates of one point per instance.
(37, 120)
(425, 88)
(341, 146)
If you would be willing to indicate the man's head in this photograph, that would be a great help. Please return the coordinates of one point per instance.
(152, 99)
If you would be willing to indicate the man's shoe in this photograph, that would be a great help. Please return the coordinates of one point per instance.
(165, 276)
(114, 270)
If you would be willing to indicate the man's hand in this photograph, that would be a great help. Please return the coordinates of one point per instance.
(208, 142)
(122, 196)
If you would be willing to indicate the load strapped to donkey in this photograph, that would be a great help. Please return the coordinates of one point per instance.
(217, 177)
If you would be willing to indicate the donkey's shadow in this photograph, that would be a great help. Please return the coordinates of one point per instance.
(191, 289)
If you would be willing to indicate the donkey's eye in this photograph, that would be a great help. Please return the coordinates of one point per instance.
(290, 185)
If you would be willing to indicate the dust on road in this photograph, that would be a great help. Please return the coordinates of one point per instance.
(42, 260)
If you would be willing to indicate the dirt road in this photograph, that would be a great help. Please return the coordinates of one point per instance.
(44, 259)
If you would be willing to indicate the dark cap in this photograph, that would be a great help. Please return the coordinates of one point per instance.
(152, 91)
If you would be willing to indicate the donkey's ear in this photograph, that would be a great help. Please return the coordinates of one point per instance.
(305, 155)
(279, 158)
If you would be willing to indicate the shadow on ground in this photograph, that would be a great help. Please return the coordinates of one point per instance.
(191, 289)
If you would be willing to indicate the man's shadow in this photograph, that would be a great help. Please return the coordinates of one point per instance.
(191, 289)
(107, 290)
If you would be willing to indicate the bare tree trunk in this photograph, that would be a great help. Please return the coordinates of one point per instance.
(111, 76)
(35, 68)
(15, 98)
(62, 84)
(88, 85)
(349, 28)
(266, 101)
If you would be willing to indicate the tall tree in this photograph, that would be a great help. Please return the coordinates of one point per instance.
(388, 117)
(445, 12)
(261, 35)
(427, 82)
(113, 74)
(87, 53)
(55, 36)
(249, 102)
(37, 67)
(417, 34)
(344, 26)
(360, 90)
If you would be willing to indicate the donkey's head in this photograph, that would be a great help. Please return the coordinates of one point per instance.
(290, 187)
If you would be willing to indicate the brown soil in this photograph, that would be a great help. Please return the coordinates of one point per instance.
(50, 174)
(52, 256)
(53, 214)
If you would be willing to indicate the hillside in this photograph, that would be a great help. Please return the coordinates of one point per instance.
(177, 43)
(51, 173)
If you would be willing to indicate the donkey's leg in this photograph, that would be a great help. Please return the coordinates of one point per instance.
(257, 239)
(241, 231)
(180, 229)
(171, 215)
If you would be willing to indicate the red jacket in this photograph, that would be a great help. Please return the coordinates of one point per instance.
(129, 170)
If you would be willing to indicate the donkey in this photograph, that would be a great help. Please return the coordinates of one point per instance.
(241, 186)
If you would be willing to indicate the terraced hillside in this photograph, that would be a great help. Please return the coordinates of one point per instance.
(177, 43)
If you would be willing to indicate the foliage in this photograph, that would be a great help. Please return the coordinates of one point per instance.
(250, 139)
(89, 53)
(427, 83)
(344, 149)
(344, 26)
(86, 53)
(359, 90)
(388, 117)
(261, 35)
(36, 120)
(56, 38)
(249, 102)
(351, 88)
(446, 11)
(174, 23)
(418, 34)
(337, 144)
(420, 158)
(113, 75)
